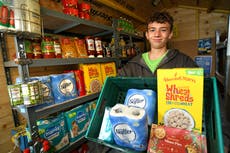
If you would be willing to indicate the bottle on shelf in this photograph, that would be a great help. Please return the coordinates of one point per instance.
(122, 47)
(36, 45)
(112, 47)
(47, 46)
(57, 47)
(89, 40)
(106, 49)
(98, 46)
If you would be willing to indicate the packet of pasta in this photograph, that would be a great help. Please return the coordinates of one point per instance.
(68, 48)
(80, 47)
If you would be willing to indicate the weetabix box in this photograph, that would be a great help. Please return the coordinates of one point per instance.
(180, 97)
(92, 77)
(108, 69)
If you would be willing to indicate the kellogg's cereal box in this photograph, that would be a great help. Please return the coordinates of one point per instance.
(92, 77)
(180, 98)
(108, 69)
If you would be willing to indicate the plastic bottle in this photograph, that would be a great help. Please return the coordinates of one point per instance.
(47, 46)
(98, 46)
(57, 48)
(112, 47)
(122, 45)
(90, 46)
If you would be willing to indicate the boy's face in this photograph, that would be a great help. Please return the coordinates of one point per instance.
(158, 34)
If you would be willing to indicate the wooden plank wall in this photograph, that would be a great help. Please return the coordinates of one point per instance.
(192, 24)
(6, 119)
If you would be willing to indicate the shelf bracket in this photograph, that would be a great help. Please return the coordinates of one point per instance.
(21, 55)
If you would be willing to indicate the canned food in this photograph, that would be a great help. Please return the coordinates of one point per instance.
(37, 51)
(15, 94)
(71, 11)
(48, 47)
(57, 48)
(81, 15)
(4, 15)
(84, 7)
(31, 93)
(69, 3)
(28, 49)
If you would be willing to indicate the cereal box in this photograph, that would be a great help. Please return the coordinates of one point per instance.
(180, 97)
(174, 140)
(108, 69)
(92, 76)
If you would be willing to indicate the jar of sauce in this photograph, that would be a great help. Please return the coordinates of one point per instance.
(90, 46)
(28, 48)
(36, 45)
(98, 46)
(57, 48)
(48, 47)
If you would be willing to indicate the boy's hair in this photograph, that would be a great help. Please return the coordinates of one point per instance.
(161, 17)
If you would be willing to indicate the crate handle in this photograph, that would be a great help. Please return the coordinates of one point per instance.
(102, 107)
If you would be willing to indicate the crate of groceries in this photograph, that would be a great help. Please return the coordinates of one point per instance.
(127, 116)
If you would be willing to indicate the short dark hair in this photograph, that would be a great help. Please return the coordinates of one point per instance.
(161, 17)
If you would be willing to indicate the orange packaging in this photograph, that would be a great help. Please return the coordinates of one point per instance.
(180, 98)
(108, 69)
(81, 48)
(173, 140)
(68, 48)
(80, 82)
(92, 76)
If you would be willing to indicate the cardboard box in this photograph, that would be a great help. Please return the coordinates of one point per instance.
(92, 76)
(180, 97)
(108, 69)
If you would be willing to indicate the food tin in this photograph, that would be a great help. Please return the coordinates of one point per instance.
(28, 48)
(31, 92)
(57, 48)
(36, 46)
(47, 46)
(15, 94)
(69, 3)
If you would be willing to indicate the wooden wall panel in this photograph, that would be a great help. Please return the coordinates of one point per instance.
(210, 22)
(6, 119)
(11, 47)
(197, 24)
(189, 47)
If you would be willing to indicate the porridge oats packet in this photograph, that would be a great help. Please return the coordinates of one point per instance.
(180, 98)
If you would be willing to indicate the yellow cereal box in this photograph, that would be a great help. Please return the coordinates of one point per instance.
(92, 77)
(108, 69)
(180, 97)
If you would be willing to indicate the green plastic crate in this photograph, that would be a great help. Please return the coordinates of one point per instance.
(115, 89)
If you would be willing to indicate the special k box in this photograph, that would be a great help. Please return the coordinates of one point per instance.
(180, 98)
(92, 77)
(108, 69)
